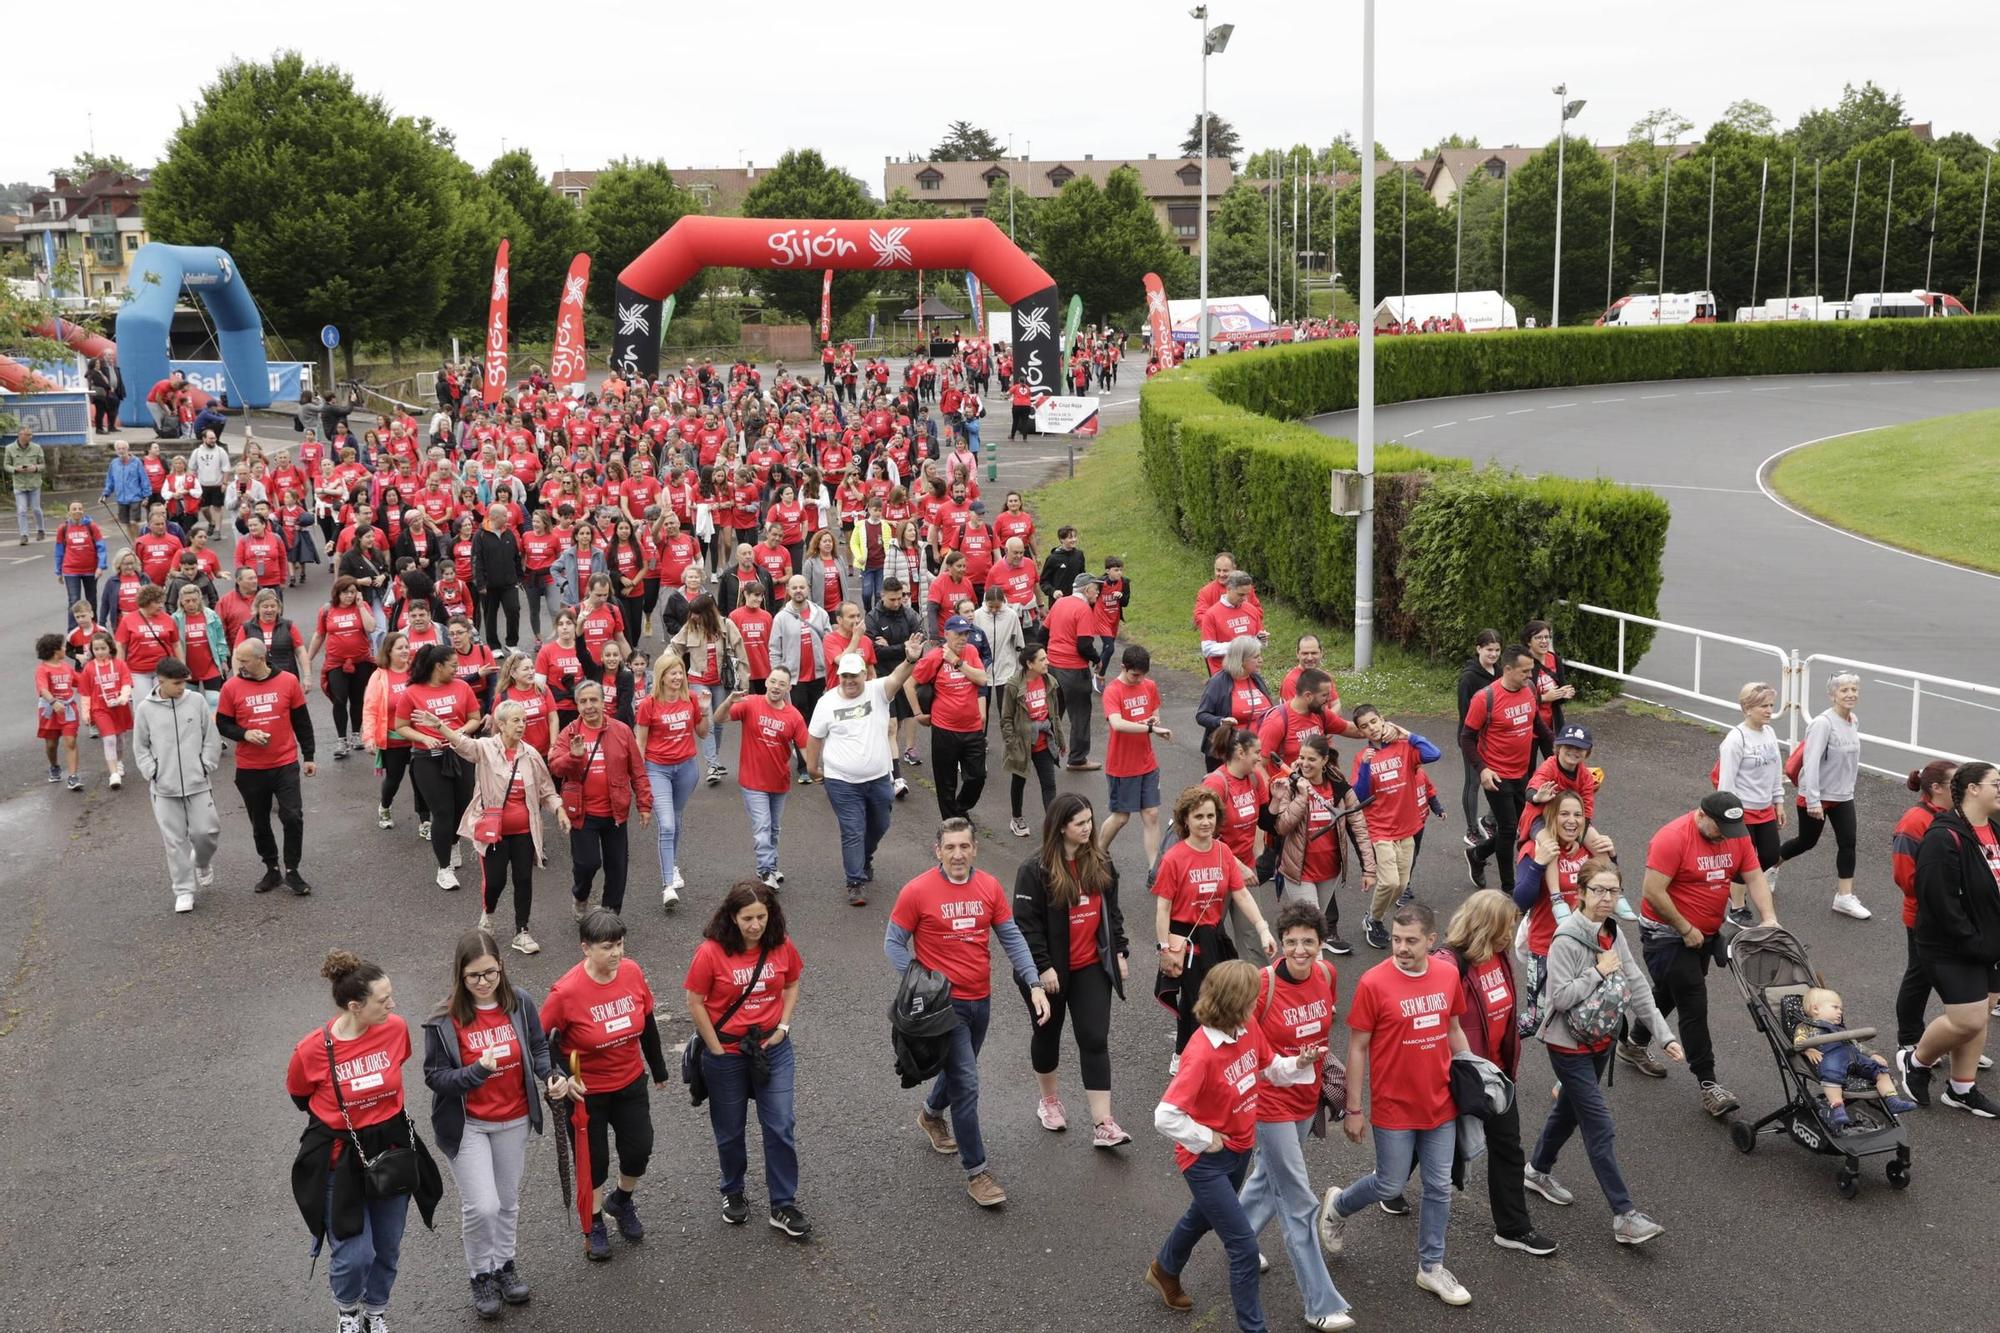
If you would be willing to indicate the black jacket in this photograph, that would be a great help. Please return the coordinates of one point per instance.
(1472, 678)
(1047, 932)
(1958, 903)
(729, 590)
(496, 559)
(449, 1080)
(1059, 572)
(315, 1166)
(1212, 709)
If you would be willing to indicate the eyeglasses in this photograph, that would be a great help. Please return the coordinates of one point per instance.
(1601, 891)
(483, 978)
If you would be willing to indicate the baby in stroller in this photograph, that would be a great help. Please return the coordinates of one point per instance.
(1822, 1011)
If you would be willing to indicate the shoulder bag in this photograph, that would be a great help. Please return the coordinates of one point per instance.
(691, 1070)
(391, 1172)
(486, 828)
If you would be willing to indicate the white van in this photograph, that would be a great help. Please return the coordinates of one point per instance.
(1906, 305)
(1650, 311)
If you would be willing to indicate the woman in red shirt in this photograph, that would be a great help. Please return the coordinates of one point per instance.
(347, 1076)
(742, 988)
(1210, 1112)
(672, 723)
(1239, 780)
(1309, 805)
(600, 1023)
(441, 778)
(541, 547)
(344, 632)
(518, 682)
(486, 1063)
(146, 636)
(603, 773)
(1197, 882)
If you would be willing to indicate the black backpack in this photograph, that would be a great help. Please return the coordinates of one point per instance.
(921, 1020)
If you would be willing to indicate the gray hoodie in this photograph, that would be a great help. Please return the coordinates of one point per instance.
(1573, 976)
(175, 743)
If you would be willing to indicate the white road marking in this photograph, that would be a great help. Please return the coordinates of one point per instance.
(25, 560)
(1595, 401)
(1409, 434)
(1488, 417)
(1520, 411)
(1554, 406)
(1669, 486)
(1710, 393)
(1442, 424)
(1772, 388)
(1644, 396)
(1934, 693)
(1774, 498)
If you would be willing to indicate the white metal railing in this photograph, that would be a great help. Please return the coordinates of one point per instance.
(1784, 672)
(1916, 683)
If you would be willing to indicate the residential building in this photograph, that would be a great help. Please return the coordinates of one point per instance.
(92, 226)
(1172, 185)
(719, 189)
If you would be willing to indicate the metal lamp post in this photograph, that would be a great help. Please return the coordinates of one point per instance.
(1364, 435)
(1214, 41)
(1570, 111)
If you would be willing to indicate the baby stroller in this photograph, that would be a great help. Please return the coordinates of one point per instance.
(1774, 973)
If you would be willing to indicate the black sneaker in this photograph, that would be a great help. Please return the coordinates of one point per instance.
(297, 883)
(597, 1246)
(734, 1210)
(1475, 867)
(272, 879)
(627, 1215)
(1528, 1242)
(1916, 1078)
(1371, 930)
(1337, 946)
(1396, 1206)
(1486, 825)
(1975, 1101)
(485, 1296)
(513, 1287)
(791, 1221)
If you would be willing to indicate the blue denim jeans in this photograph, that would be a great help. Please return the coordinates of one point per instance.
(766, 809)
(862, 811)
(672, 785)
(78, 588)
(27, 502)
(729, 1094)
(1395, 1150)
(362, 1268)
(1581, 1105)
(871, 588)
(1213, 1179)
(957, 1086)
(711, 697)
(1279, 1181)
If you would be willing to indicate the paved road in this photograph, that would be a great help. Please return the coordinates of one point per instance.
(1739, 561)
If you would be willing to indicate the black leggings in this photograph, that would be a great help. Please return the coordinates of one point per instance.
(1506, 801)
(629, 1112)
(1840, 814)
(1045, 773)
(633, 610)
(395, 763)
(445, 782)
(1468, 798)
(514, 852)
(1680, 981)
(1913, 994)
(1086, 997)
(492, 603)
(345, 690)
(1764, 837)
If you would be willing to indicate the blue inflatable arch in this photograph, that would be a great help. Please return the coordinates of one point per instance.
(159, 271)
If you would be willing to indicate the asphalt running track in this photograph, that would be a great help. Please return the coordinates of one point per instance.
(145, 1137)
(1739, 560)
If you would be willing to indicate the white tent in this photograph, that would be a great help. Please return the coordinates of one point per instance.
(1481, 311)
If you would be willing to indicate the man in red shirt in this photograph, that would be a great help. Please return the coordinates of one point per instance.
(264, 712)
(956, 717)
(1306, 713)
(773, 732)
(1309, 656)
(1497, 739)
(1072, 628)
(1691, 864)
(1402, 1030)
(1132, 712)
(1234, 615)
(1211, 592)
(940, 921)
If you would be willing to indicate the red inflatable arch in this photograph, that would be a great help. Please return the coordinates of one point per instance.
(695, 243)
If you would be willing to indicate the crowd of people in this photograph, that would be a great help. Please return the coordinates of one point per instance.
(792, 586)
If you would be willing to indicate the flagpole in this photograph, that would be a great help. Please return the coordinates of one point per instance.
(1403, 207)
(1708, 266)
(1458, 252)
(1979, 251)
(1660, 273)
(1888, 204)
(1816, 291)
(1791, 218)
(1853, 218)
(1757, 263)
(1294, 253)
(1937, 183)
(1503, 238)
(1611, 241)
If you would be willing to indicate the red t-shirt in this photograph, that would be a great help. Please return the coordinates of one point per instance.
(670, 737)
(954, 699)
(601, 1022)
(949, 923)
(596, 625)
(719, 977)
(1292, 1015)
(369, 1067)
(597, 774)
(1409, 1054)
(1542, 916)
(768, 737)
(1219, 1087)
(755, 627)
(1197, 884)
(1496, 1000)
(1129, 754)
(1278, 736)
(1322, 839)
(1070, 617)
(1505, 722)
(1035, 699)
(1242, 799)
(453, 703)
(1989, 847)
(1393, 810)
(1223, 622)
(263, 705)
(1698, 871)
(1084, 915)
(504, 1094)
(514, 813)
(146, 639)
(346, 637)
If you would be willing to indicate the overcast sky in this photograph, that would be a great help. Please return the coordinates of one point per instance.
(715, 84)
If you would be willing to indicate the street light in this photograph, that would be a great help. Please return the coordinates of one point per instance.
(1214, 41)
(1570, 110)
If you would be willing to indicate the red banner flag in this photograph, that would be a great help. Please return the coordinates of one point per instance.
(566, 363)
(496, 332)
(826, 307)
(1157, 316)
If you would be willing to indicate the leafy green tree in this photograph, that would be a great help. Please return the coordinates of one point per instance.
(1240, 244)
(1750, 117)
(1863, 113)
(551, 233)
(334, 210)
(630, 206)
(1025, 206)
(1100, 243)
(1531, 212)
(87, 165)
(1451, 142)
(480, 219)
(802, 185)
(965, 142)
(1223, 140)
(1426, 243)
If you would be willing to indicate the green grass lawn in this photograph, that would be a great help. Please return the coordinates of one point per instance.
(1926, 487)
(1115, 515)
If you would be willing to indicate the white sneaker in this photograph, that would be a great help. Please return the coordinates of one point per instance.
(1848, 905)
(1332, 1227)
(447, 880)
(901, 788)
(1440, 1283)
(423, 830)
(486, 922)
(1330, 1323)
(117, 777)
(525, 943)
(769, 881)
(677, 883)
(454, 856)
(670, 898)
(1018, 827)
(184, 902)
(383, 819)
(204, 877)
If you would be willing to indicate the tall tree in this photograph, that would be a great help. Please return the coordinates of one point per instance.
(1023, 215)
(1531, 211)
(1223, 141)
(551, 232)
(965, 142)
(630, 205)
(1864, 113)
(1750, 117)
(334, 210)
(802, 185)
(1100, 243)
(480, 219)
(87, 165)
(1452, 142)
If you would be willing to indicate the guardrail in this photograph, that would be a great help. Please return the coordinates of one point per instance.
(1793, 674)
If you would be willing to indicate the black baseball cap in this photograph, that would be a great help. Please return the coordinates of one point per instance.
(1726, 811)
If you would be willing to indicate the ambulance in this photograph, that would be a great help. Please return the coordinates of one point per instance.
(1907, 305)
(1650, 311)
